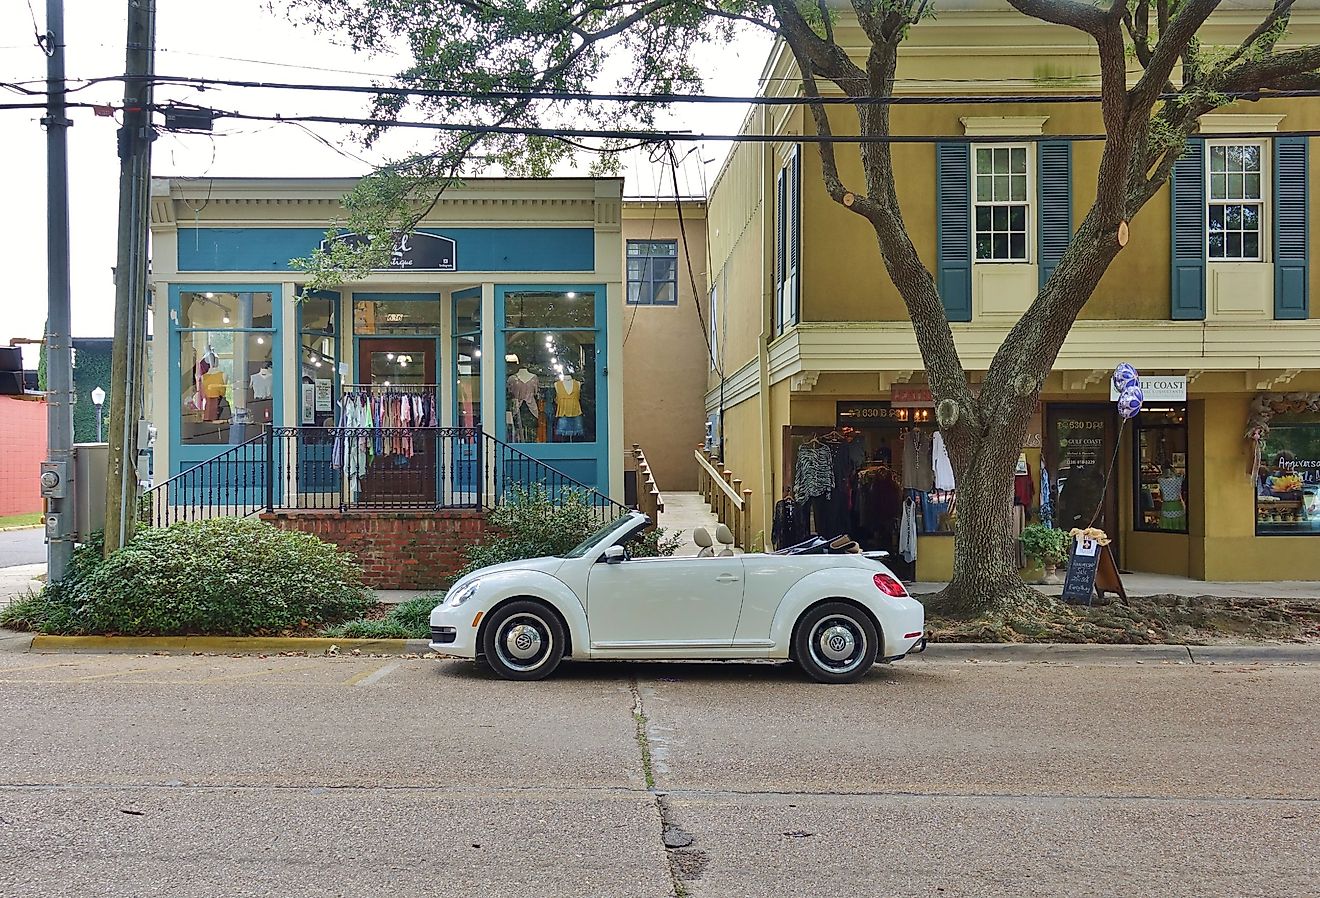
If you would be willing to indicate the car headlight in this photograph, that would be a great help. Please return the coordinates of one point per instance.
(459, 596)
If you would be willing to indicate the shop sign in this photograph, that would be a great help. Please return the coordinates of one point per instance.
(1083, 562)
(860, 413)
(412, 252)
(910, 397)
(1159, 388)
(324, 395)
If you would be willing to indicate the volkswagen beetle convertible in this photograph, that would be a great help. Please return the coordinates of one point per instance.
(835, 615)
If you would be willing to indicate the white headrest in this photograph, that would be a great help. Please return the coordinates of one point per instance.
(701, 537)
(723, 535)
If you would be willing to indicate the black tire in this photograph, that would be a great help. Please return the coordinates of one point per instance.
(523, 640)
(835, 642)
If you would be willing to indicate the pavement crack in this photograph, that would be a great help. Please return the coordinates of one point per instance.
(685, 861)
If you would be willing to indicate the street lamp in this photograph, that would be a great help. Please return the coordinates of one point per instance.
(98, 397)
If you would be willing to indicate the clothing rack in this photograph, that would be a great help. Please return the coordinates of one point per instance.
(388, 388)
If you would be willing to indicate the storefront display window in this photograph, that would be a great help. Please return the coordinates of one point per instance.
(371, 317)
(550, 386)
(1288, 480)
(318, 360)
(221, 309)
(467, 360)
(227, 385)
(1160, 443)
(569, 308)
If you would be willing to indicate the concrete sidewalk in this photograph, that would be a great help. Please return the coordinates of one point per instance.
(1163, 584)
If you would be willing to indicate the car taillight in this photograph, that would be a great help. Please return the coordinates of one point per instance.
(889, 586)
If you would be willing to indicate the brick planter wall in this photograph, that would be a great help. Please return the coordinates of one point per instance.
(397, 549)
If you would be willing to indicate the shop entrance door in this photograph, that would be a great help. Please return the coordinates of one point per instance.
(403, 474)
(1079, 454)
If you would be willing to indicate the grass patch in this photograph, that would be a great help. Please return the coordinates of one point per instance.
(1144, 620)
(20, 520)
(407, 620)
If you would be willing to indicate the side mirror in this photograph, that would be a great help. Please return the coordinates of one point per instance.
(615, 555)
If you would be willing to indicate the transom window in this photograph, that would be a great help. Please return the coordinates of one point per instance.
(1234, 202)
(1001, 209)
(652, 272)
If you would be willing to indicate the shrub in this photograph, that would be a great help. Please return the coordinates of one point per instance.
(226, 576)
(532, 522)
(1047, 545)
(407, 620)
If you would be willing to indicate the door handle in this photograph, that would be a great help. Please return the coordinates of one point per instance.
(726, 578)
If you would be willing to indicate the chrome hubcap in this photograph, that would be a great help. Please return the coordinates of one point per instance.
(838, 644)
(523, 642)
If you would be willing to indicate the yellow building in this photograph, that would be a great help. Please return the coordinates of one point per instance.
(1211, 301)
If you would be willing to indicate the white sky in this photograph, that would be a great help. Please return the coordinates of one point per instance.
(190, 39)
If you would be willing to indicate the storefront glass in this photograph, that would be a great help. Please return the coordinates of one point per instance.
(227, 382)
(467, 360)
(1160, 443)
(1288, 480)
(372, 317)
(318, 363)
(550, 383)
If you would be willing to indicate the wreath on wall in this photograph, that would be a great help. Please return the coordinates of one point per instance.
(1263, 409)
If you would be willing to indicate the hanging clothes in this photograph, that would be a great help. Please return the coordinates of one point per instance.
(918, 470)
(907, 531)
(1046, 499)
(941, 467)
(814, 471)
(790, 525)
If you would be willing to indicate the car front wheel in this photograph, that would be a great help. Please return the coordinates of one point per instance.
(523, 640)
(835, 643)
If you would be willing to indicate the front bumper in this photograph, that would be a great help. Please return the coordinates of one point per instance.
(453, 632)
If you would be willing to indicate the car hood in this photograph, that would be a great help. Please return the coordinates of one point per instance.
(547, 565)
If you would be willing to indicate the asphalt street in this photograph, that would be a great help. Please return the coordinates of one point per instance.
(23, 546)
(183, 776)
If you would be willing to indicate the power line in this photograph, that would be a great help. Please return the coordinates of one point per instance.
(672, 98)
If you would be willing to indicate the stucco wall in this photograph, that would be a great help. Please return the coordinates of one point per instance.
(665, 356)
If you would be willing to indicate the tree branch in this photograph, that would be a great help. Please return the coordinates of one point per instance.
(1081, 16)
(1278, 16)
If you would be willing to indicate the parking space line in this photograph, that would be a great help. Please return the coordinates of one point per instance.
(225, 678)
(371, 677)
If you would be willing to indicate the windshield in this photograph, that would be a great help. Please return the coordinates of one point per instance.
(595, 539)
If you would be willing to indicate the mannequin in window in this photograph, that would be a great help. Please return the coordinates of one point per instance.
(204, 365)
(568, 408)
(1173, 508)
(522, 386)
(263, 382)
(214, 387)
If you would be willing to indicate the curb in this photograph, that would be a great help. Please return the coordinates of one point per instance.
(1083, 653)
(219, 645)
(21, 527)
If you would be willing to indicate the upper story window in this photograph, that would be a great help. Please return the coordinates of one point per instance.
(652, 273)
(1235, 202)
(1002, 209)
(788, 242)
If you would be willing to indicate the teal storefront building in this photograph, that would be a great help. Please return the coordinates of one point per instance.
(504, 309)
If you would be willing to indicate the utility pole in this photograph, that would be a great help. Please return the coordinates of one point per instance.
(127, 357)
(57, 472)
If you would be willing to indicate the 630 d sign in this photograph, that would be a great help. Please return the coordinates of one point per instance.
(412, 252)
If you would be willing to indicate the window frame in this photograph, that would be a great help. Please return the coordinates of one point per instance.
(649, 282)
(1265, 232)
(787, 309)
(1029, 247)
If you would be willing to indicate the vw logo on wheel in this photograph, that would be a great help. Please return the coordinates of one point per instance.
(838, 643)
(523, 641)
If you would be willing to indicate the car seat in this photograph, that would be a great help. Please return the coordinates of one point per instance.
(706, 545)
(725, 538)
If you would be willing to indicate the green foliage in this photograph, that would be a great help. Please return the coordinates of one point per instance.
(228, 576)
(92, 370)
(41, 360)
(1048, 545)
(533, 523)
(408, 620)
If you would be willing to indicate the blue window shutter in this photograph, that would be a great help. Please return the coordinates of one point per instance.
(1187, 192)
(794, 287)
(1291, 233)
(1054, 196)
(953, 229)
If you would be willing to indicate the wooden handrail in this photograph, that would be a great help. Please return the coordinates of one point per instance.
(718, 478)
(650, 502)
(730, 502)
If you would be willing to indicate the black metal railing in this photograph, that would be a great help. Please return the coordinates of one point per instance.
(234, 484)
(337, 469)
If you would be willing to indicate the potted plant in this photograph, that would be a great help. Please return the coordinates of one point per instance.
(1045, 546)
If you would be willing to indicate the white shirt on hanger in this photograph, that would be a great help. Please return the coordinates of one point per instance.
(940, 463)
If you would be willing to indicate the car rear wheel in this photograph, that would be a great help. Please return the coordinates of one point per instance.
(523, 640)
(835, 642)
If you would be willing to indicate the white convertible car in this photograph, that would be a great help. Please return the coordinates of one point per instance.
(835, 615)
